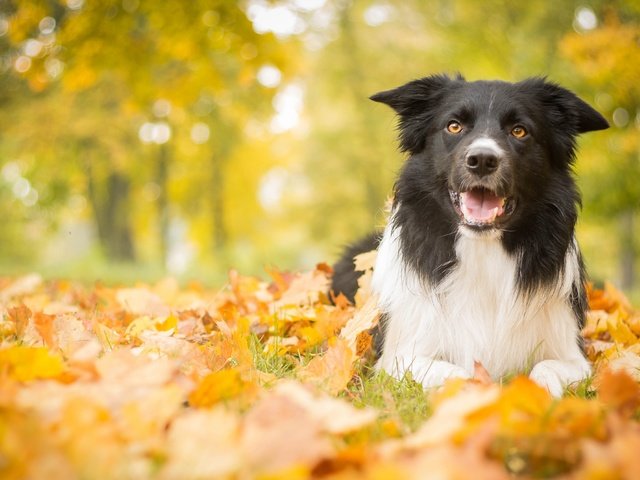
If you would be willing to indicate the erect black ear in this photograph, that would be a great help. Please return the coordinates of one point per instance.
(416, 103)
(415, 95)
(568, 108)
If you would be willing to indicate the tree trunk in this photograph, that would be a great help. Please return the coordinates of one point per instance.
(217, 202)
(110, 202)
(627, 251)
(162, 175)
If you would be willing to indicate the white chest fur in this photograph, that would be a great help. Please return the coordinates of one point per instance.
(474, 314)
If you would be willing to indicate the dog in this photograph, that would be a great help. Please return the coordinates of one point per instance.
(479, 261)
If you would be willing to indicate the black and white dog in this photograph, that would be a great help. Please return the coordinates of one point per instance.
(478, 262)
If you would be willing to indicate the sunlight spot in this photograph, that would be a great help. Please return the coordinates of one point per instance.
(158, 132)
(161, 108)
(21, 187)
(200, 133)
(288, 104)
(53, 67)
(309, 5)
(47, 25)
(11, 171)
(22, 64)
(620, 117)
(32, 48)
(271, 189)
(278, 19)
(585, 19)
(377, 14)
(75, 4)
(269, 76)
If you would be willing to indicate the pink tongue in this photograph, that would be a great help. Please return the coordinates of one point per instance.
(480, 204)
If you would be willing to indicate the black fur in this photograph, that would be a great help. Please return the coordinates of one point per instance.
(536, 174)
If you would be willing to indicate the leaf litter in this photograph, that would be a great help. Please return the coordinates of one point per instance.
(270, 379)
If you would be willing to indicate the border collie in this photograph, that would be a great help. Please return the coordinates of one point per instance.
(478, 261)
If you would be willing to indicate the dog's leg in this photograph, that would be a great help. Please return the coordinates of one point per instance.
(556, 375)
(425, 370)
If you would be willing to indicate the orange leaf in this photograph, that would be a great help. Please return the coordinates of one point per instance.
(219, 386)
(20, 316)
(44, 325)
(619, 390)
(331, 371)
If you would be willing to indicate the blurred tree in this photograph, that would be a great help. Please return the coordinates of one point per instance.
(147, 64)
(608, 58)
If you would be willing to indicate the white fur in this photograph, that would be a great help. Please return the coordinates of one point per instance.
(486, 143)
(476, 314)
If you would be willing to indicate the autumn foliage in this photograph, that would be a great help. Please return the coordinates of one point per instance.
(264, 379)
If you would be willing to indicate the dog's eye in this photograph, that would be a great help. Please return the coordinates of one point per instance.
(519, 131)
(454, 127)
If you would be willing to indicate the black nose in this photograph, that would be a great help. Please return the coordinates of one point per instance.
(482, 162)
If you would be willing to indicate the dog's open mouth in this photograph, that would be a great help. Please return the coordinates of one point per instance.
(480, 207)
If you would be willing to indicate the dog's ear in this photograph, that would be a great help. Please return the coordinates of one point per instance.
(415, 103)
(415, 96)
(566, 107)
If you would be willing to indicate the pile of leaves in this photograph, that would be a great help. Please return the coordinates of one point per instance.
(271, 379)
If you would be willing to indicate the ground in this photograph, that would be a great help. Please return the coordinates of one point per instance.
(270, 379)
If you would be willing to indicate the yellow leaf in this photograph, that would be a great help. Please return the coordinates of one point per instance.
(219, 386)
(522, 404)
(30, 363)
(619, 330)
(139, 325)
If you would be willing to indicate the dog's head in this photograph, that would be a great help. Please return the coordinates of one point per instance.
(486, 149)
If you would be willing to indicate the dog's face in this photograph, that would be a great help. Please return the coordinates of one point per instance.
(488, 150)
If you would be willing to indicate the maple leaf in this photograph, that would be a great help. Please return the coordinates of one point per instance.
(219, 386)
(29, 363)
(364, 319)
(619, 390)
(20, 316)
(203, 444)
(333, 370)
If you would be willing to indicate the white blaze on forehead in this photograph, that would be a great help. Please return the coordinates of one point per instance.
(485, 143)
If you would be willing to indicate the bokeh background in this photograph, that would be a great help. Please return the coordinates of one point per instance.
(143, 138)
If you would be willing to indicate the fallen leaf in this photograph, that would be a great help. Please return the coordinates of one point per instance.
(617, 389)
(331, 371)
(30, 363)
(203, 444)
(364, 319)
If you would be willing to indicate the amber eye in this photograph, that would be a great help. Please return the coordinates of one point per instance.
(454, 127)
(518, 131)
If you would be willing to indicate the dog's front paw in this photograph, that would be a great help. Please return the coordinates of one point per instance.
(433, 373)
(556, 375)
